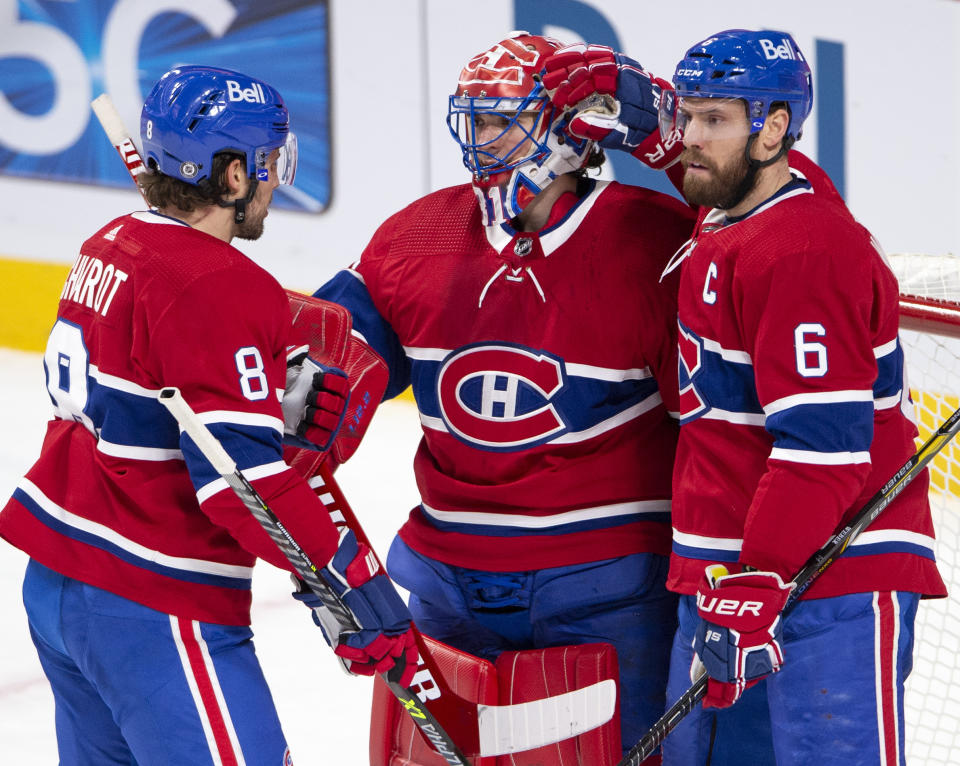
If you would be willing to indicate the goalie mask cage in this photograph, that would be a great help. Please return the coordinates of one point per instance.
(930, 333)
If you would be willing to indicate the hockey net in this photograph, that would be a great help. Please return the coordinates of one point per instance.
(930, 332)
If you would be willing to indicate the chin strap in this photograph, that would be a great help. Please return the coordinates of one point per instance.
(240, 204)
(754, 166)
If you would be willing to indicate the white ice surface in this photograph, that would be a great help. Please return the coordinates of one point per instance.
(324, 712)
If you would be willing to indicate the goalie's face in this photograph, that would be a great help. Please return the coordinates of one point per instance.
(495, 136)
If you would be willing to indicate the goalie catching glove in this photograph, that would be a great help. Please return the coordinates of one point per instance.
(612, 100)
(314, 402)
(385, 641)
(738, 639)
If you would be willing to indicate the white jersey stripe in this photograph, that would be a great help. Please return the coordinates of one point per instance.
(886, 348)
(819, 458)
(701, 541)
(156, 454)
(256, 472)
(124, 543)
(523, 521)
(819, 397)
(727, 354)
(241, 419)
(738, 418)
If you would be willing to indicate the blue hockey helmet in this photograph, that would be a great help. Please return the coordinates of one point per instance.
(196, 112)
(760, 67)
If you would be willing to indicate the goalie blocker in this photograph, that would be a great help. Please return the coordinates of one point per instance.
(516, 677)
(326, 328)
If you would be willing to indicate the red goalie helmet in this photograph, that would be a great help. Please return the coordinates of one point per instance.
(505, 125)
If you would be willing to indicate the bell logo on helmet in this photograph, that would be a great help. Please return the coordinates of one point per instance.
(773, 51)
(252, 95)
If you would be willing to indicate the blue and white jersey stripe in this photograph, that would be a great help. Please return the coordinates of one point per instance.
(103, 537)
(718, 383)
(868, 543)
(568, 522)
(252, 440)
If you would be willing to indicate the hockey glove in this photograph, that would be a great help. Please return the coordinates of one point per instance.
(738, 640)
(612, 100)
(385, 642)
(314, 402)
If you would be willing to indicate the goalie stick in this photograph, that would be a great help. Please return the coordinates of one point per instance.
(815, 566)
(484, 730)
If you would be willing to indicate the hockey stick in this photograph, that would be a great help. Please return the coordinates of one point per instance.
(346, 624)
(485, 730)
(815, 566)
(113, 126)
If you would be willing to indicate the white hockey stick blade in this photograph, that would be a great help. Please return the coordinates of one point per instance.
(526, 725)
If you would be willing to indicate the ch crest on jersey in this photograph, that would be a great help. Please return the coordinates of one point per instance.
(690, 355)
(499, 396)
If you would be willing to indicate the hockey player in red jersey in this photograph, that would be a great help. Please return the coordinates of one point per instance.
(526, 310)
(138, 585)
(794, 411)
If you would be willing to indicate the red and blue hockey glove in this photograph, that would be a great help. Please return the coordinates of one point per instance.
(612, 100)
(738, 640)
(314, 402)
(385, 642)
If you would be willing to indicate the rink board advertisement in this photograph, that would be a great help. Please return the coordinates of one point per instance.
(368, 84)
(56, 56)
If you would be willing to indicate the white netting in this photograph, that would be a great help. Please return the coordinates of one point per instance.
(933, 369)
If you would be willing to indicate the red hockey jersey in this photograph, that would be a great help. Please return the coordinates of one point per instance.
(119, 498)
(543, 366)
(794, 405)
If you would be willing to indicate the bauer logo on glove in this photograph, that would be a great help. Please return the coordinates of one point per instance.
(738, 640)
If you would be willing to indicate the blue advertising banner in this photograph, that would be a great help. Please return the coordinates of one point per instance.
(55, 57)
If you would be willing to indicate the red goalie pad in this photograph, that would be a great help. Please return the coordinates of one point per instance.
(326, 329)
(516, 677)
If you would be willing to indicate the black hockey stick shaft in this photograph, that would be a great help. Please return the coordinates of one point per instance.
(224, 465)
(815, 566)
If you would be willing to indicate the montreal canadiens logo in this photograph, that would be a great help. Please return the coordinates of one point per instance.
(690, 347)
(498, 396)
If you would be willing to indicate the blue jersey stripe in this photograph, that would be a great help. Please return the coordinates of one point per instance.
(829, 427)
(249, 446)
(889, 373)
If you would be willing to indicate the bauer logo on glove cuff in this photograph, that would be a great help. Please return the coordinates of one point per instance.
(728, 606)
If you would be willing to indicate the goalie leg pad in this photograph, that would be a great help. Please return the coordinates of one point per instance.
(516, 677)
(395, 739)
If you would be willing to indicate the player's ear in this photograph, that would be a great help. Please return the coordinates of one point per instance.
(774, 129)
(234, 177)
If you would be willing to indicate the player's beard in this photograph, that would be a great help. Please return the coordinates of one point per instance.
(725, 188)
(252, 226)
